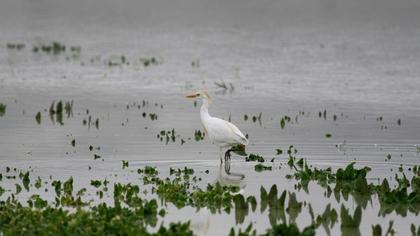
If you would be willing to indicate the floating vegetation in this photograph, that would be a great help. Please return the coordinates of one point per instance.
(350, 224)
(57, 111)
(413, 230)
(199, 135)
(56, 48)
(153, 116)
(38, 117)
(117, 60)
(15, 46)
(195, 63)
(149, 61)
(284, 120)
(2, 109)
(257, 118)
(254, 157)
(168, 136)
(124, 164)
(292, 229)
(239, 150)
(328, 135)
(261, 167)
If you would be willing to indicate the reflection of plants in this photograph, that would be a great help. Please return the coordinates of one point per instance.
(58, 110)
(399, 199)
(291, 229)
(327, 219)
(350, 224)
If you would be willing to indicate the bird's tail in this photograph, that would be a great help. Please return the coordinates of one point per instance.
(244, 141)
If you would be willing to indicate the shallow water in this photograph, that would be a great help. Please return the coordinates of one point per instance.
(358, 73)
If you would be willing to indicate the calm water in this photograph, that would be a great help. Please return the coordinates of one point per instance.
(358, 72)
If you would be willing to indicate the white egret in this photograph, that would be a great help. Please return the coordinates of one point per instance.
(221, 133)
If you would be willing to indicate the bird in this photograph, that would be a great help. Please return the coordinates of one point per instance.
(220, 132)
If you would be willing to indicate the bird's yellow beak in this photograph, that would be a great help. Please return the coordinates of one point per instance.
(191, 95)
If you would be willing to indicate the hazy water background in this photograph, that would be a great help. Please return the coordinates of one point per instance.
(359, 60)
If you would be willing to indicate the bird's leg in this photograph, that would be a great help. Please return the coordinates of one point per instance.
(221, 155)
(227, 155)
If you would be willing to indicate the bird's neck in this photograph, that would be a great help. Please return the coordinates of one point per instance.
(204, 111)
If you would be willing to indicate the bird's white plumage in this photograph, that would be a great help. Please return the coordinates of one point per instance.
(221, 133)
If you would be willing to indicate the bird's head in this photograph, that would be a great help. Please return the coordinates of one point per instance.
(199, 95)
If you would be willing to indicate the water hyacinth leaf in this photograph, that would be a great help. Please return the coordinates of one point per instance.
(264, 199)
(26, 181)
(239, 150)
(38, 118)
(2, 109)
(376, 230)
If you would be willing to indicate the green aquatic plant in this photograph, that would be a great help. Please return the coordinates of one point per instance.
(15, 46)
(289, 230)
(57, 111)
(413, 230)
(239, 150)
(2, 109)
(276, 206)
(254, 157)
(261, 167)
(117, 60)
(376, 230)
(249, 231)
(350, 224)
(283, 121)
(167, 136)
(38, 118)
(25, 180)
(38, 183)
(153, 116)
(16, 219)
(149, 61)
(124, 164)
(327, 219)
(400, 200)
(199, 135)
(52, 48)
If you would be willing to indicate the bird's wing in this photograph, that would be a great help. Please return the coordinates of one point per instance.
(221, 131)
(237, 132)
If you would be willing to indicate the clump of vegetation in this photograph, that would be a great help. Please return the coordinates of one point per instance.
(292, 229)
(57, 111)
(2, 109)
(55, 48)
(38, 118)
(254, 157)
(148, 61)
(15, 46)
(167, 136)
(283, 121)
(199, 135)
(261, 167)
(117, 60)
(153, 116)
(350, 223)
